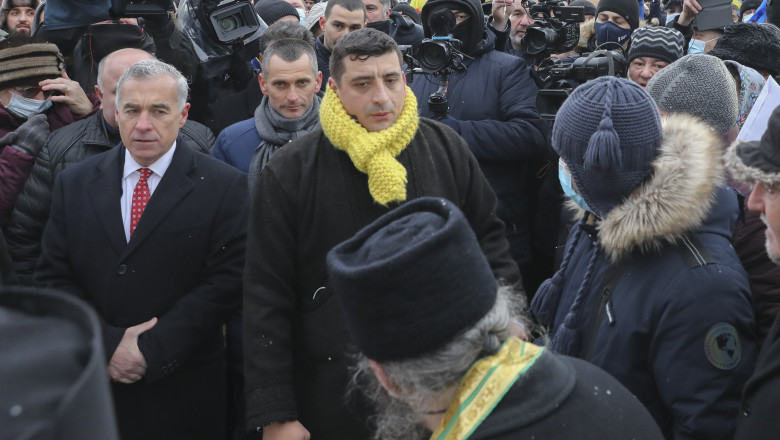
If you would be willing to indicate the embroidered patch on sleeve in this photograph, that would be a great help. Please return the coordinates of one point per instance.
(722, 346)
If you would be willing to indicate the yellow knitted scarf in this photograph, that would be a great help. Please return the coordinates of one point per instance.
(372, 153)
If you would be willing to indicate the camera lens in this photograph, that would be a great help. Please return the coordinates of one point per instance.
(537, 39)
(230, 23)
(433, 56)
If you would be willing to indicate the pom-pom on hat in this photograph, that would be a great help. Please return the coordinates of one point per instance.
(412, 280)
(608, 131)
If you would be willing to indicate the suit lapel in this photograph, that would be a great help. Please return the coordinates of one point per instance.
(174, 185)
(105, 192)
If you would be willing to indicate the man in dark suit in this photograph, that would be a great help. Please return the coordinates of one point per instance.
(153, 235)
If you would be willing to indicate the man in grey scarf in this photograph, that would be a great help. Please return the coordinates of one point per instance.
(289, 108)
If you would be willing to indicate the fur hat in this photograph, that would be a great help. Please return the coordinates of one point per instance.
(699, 85)
(751, 44)
(272, 10)
(10, 4)
(54, 376)
(608, 132)
(29, 64)
(663, 43)
(628, 9)
(758, 161)
(412, 280)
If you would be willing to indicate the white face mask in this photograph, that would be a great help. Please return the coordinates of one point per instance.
(747, 18)
(301, 15)
(26, 107)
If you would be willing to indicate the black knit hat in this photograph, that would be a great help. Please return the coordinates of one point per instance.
(628, 9)
(661, 42)
(748, 5)
(751, 44)
(272, 10)
(412, 280)
(409, 11)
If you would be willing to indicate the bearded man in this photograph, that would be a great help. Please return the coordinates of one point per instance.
(371, 154)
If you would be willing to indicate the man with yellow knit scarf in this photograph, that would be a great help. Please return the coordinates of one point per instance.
(372, 154)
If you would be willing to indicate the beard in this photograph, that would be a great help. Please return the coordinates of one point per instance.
(768, 243)
(393, 418)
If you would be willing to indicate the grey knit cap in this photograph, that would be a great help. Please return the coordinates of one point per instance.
(661, 42)
(608, 131)
(698, 85)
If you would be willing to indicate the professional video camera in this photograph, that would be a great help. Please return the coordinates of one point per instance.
(139, 8)
(562, 76)
(556, 28)
(439, 55)
(215, 27)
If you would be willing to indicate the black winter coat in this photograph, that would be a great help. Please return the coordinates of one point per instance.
(309, 198)
(66, 146)
(494, 101)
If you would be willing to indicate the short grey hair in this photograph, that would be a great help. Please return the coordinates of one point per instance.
(290, 50)
(423, 378)
(148, 69)
(386, 5)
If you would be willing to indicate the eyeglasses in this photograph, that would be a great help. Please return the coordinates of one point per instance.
(32, 92)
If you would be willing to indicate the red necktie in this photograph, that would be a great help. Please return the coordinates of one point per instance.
(140, 198)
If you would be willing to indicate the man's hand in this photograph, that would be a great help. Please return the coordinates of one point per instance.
(502, 9)
(286, 431)
(128, 365)
(72, 94)
(690, 9)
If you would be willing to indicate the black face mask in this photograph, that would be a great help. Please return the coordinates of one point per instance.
(463, 32)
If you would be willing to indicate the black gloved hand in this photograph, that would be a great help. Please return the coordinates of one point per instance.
(158, 25)
(30, 137)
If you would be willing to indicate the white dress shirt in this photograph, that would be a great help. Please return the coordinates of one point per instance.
(131, 176)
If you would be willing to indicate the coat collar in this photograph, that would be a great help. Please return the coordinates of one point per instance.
(105, 190)
(676, 198)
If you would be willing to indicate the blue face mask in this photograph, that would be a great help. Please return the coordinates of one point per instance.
(610, 32)
(672, 17)
(697, 46)
(301, 15)
(565, 177)
(25, 107)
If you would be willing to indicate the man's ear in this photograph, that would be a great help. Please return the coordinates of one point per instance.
(333, 85)
(262, 83)
(322, 23)
(381, 375)
(318, 84)
(99, 94)
(184, 113)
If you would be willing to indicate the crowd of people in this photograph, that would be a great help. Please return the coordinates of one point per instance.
(319, 230)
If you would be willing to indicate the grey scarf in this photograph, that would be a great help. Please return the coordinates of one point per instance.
(276, 130)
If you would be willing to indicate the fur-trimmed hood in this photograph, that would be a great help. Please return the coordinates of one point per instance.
(748, 174)
(676, 198)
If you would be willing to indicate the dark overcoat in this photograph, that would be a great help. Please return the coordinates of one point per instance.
(182, 265)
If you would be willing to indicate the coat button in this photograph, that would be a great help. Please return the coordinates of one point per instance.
(122, 269)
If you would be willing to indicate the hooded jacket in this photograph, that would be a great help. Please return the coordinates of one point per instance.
(494, 103)
(655, 295)
(66, 147)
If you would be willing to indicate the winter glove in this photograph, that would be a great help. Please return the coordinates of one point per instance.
(451, 122)
(30, 137)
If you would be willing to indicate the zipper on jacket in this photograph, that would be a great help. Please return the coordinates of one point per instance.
(604, 307)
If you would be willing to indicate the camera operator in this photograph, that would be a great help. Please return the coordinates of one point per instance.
(492, 106)
(509, 21)
(615, 20)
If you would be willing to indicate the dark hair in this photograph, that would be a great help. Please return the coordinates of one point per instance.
(290, 49)
(282, 30)
(349, 5)
(360, 45)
